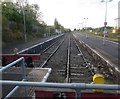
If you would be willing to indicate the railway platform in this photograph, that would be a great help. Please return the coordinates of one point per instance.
(10, 49)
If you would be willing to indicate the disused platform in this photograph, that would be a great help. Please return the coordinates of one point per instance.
(32, 74)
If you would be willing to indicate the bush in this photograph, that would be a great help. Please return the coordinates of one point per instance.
(7, 35)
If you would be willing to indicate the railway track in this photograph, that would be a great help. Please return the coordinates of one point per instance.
(47, 53)
(68, 62)
(71, 61)
(58, 63)
(80, 69)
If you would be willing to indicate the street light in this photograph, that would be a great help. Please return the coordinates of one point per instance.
(23, 2)
(86, 25)
(81, 26)
(24, 25)
(105, 23)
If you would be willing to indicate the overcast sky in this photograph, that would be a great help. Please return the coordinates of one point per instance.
(70, 13)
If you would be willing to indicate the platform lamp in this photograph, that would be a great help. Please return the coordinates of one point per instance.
(86, 25)
(23, 3)
(105, 23)
(81, 26)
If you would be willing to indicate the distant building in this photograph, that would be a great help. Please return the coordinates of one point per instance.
(117, 21)
(57, 31)
(117, 25)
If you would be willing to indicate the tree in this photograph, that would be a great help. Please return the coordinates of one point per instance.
(12, 18)
(56, 24)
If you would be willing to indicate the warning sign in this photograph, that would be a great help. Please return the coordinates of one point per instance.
(105, 23)
(105, 32)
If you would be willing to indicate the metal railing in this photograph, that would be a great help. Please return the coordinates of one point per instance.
(23, 72)
(76, 86)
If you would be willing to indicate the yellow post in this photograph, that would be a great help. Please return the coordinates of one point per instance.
(98, 79)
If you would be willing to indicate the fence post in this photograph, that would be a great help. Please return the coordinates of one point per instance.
(78, 93)
(24, 74)
(24, 70)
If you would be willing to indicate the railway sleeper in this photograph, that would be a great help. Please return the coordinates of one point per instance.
(80, 76)
(81, 80)
(43, 58)
(61, 70)
(47, 53)
(78, 67)
(80, 71)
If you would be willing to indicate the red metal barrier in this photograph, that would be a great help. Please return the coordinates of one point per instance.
(71, 95)
(29, 58)
(11, 57)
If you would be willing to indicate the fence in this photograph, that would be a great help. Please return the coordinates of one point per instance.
(23, 72)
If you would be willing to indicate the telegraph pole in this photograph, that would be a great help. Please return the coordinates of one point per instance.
(86, 26)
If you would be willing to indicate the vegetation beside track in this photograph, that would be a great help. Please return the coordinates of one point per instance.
(98, 32)
(18, 20)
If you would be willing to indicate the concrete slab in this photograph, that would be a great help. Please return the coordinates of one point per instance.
(33, 75)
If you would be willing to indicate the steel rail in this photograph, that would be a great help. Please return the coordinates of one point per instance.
(98, 55)
(68, 64)
(49, 57)
(80, 51)
(47, 48)
(82, 55)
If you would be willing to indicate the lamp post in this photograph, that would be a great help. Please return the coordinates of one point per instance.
(81, 26)
(105, 23)
(25, 35)
(86, 25)
(22, 3)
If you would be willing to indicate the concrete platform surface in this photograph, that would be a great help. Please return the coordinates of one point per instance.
(15, 74)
